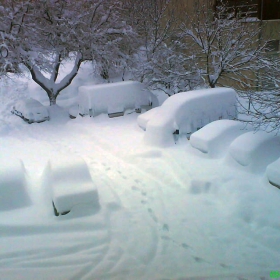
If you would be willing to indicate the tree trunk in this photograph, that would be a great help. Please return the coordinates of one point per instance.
(52, 100)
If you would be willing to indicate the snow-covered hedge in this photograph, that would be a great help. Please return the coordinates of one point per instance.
(114, 98)
(186, 112)
(70, 183)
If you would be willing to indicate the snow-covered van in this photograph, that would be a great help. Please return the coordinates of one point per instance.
(114, 98)
(186, 112)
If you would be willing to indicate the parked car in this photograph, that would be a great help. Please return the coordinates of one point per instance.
(31, 110)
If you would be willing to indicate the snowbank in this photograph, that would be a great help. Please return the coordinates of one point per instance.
(114, 98)
(13, 185)
(186, 112)
(70, 183)
(273, 173)
(255, 150)
(31, 110)
(216, 137)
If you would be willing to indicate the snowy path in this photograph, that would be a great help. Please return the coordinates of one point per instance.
(165, 214)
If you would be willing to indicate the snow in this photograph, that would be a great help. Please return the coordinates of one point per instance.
(13, 185)
(70, 183)
(272, 173)
(215, 138)
(31, 110)
(187, 112)
(114, 98)
(255, 150)
(143, 119)
(165, 213)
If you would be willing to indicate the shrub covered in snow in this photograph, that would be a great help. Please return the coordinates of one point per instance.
(186, 112)
(114, 98)
(70, 183)
(31, 110)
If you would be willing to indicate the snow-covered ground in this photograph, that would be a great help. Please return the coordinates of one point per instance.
(165, 213)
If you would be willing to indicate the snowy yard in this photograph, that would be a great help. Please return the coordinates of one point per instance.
(164, 213)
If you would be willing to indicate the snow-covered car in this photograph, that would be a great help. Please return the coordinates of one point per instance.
(31, 110)
(185, 113)
(115, 98)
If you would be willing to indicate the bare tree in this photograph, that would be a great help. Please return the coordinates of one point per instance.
(261, 108)
(155, 59)
(43, 34)
(225, 43)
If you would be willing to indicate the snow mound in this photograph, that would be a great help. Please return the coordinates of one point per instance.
(186, 112)
(70, 183)
(216, 137)
(114, 98)
(273, 173)
(13, 185)
(31, 110)
(255, 150)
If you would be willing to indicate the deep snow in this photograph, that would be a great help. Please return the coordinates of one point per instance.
(165, 213)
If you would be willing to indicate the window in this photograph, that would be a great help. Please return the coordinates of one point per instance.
(261, 9)
(242, 8)
(269, 9)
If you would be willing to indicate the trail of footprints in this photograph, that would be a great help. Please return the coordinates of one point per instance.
(163, 228)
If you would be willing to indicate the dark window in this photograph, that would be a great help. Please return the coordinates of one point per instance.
(269, 9)
(241, 8)
(262, 9)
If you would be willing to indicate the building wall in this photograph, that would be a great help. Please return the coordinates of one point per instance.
(267, 13)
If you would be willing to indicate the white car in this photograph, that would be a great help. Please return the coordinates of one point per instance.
(31, 110)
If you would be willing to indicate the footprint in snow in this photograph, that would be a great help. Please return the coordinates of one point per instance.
(198, 259)
(151, 212)
(165, 227)
(185, 246)
(135, 188)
